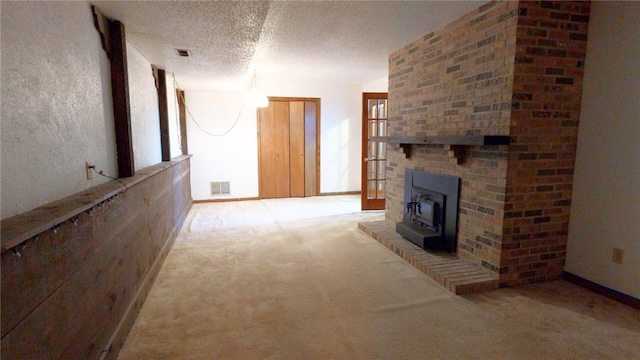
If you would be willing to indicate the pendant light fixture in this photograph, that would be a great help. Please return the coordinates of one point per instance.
(256, 98)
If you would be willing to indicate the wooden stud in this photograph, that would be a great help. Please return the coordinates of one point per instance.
(120, 94)
(163, 111)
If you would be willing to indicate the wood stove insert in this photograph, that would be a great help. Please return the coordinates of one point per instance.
(431, 210)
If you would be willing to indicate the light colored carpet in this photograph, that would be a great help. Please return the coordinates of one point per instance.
(295, 279)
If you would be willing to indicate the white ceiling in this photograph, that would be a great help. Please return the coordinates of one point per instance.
(345, 41)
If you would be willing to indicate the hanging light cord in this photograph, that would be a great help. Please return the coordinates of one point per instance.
(176, 85)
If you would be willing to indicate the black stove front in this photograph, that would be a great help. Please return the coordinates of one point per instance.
(431, 210)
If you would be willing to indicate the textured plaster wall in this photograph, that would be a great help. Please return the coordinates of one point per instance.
(234, 157)
(56, 103)
(607, 169)
(145, 122)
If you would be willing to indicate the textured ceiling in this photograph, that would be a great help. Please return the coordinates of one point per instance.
(346, 41)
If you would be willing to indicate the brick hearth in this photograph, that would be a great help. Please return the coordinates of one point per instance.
(457, 276)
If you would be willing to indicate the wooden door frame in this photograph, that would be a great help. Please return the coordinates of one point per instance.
(374, 204)
(280, 98)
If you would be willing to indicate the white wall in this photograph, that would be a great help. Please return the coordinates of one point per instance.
(145, 121)
(56, 103)
(232, 157)
(605, 211)
(379, 85)
(235, 157)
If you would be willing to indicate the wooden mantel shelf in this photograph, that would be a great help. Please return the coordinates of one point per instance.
(455, 142)
(446, 139)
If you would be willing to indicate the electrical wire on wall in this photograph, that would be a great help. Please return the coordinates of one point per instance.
(101, 173)
(177, 86)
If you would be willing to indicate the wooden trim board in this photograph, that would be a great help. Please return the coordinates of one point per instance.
(356, 192)
(602, 290)
(224, 200)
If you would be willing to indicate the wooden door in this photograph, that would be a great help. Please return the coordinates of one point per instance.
(374, 153)
(281, 145)
(287, 146)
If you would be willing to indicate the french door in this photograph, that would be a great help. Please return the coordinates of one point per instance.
(374, 153)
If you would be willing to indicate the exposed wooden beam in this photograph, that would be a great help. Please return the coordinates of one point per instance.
(163, 109)
(183, 121)
(102, 25)
(120, 94)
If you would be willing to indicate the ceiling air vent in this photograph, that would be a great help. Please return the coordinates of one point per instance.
(183, 52)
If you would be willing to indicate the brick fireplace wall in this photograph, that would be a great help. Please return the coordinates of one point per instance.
(507, 68)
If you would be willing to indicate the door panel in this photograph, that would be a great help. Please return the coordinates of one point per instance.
(267, 136)
(310, 146)
(374, 123)
(296, 148)
(282, 180)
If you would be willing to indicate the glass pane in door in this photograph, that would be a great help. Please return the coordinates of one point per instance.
(382, 150)
(382, 108)
(382, 127)
(381, 169)
(380, 192)
(371, 170)
(382, 146)
(371, 189)
(373, 109)
(373, 150)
